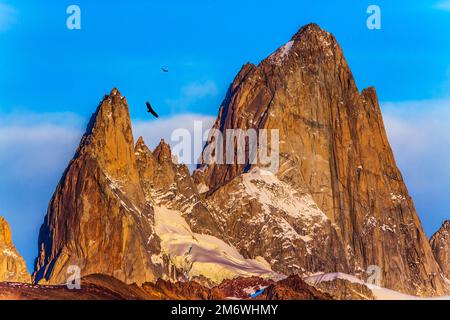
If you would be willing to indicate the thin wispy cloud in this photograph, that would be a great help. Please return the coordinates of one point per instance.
(34, 145)
(193, 92)
(8, 16)
(37, 146)
(443, 5)
(419, 133)
(34, 151)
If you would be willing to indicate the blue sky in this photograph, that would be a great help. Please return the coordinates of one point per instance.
(52, 78)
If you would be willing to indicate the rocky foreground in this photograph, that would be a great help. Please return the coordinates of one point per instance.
(101, 287)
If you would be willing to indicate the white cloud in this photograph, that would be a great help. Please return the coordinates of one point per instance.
(419, 133)
(443, 5)
(8, 16)
(193, 92)
(36, 145)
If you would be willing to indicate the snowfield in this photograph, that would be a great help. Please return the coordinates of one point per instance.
(203, 255)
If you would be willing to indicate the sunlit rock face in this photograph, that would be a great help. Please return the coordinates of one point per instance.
(12, 265)
(440, 243)
(125, 211)
(98, 218)
(333, 151)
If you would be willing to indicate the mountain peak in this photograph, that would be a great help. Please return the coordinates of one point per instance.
(311, 44)
(314, 37)
(102, 204)
(311, 28)
(5, 232)
(446, 225)
(162, 151)
(329, 134)
(115, 92)
(109, 136)
(12, 265)
(440, 244)
(140, 142)
(113, 106)
(141, 151)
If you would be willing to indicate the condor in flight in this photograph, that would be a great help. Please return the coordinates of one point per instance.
(150, 109)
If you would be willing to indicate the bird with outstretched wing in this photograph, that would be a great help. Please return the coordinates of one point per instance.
(150, 110)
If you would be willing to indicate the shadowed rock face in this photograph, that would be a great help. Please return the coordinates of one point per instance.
(440, 243)
(12, 265)
(333, 147)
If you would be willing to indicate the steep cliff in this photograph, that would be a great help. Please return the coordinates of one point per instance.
(333, 149)
(98, 218)
(12, 265)
(440, 244)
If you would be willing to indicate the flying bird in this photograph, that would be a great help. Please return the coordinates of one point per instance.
(164, 70)
(150, 109)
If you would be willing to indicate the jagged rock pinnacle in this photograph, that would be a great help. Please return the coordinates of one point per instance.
(440, 243)
(12, 265)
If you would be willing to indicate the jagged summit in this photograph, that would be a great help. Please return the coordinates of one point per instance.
(109, 137)
(5, 232)
(334, 148)
(163, 151)
(310, 28)
(310, 45)
(107, 107)
(98, 218)
(440, 243)
(12, 265)
(140, 141)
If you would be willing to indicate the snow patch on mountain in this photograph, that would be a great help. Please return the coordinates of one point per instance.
(203, 255)
(280, 54)
(273, 193)
(380, 293)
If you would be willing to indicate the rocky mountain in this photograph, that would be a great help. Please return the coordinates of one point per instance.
(335, 159)
(440, 244)
(124, 211)
(334, 202)
(264, 216)
(98, 218)
(12, 265)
